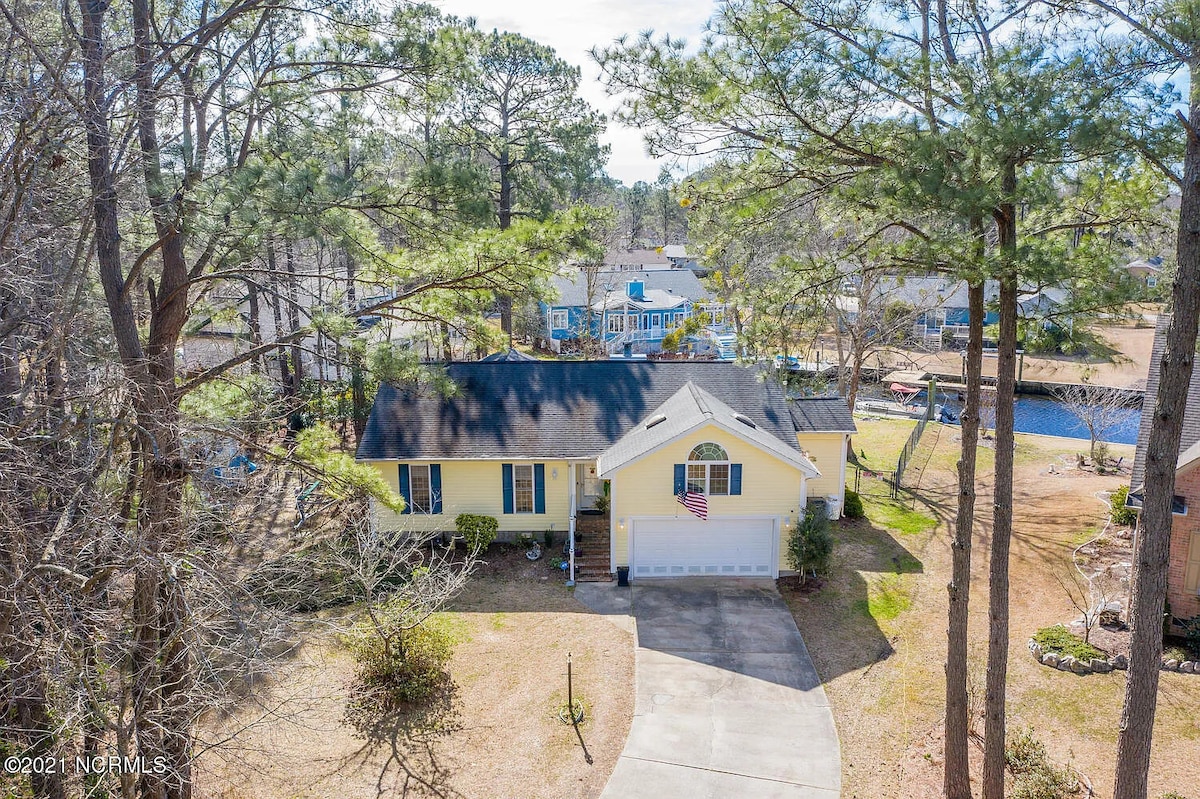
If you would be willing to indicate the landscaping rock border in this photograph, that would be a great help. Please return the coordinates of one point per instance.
(1101, 665)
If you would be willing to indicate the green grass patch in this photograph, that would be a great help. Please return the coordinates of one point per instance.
(1061, 640)
(897, 517)
(1072, 704)
(887, 598)
(878, 442)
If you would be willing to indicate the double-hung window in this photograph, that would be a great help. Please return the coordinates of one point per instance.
(422, 499)
(524, 487)
(421, 487)
(708, 469)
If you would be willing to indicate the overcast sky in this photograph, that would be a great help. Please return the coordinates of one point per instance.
(573, 27)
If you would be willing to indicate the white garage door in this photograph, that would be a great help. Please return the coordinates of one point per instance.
(682, 547)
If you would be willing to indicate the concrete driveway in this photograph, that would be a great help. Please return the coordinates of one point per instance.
(729, 705)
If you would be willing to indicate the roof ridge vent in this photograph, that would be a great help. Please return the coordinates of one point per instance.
(746, 420)
(656, 419)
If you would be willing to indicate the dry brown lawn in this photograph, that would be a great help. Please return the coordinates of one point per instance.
(877, 630)
(1125, 365)
(499, 735)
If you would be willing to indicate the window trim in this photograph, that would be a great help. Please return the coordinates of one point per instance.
(557, 315)
(433, 496)
(517, 467)
(425, 507)
(696, 459)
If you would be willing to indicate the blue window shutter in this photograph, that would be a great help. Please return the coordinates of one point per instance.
(435, 485)
(735, 478)
(508, 487)
(680, 478)
(405, 491)
(539, 488)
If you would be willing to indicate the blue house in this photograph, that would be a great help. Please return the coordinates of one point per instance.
(627, 307)
(937, 305)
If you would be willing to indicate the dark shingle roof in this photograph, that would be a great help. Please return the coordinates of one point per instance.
(1191, 415)
(823, 414)
(554, 409)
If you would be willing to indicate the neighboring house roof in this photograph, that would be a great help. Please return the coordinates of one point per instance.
(634, 258)
(507, 356)
(931, 292)
(1146, 265)
(652, 300)
(674, 251)
(1191, 413)
(1041, 302)
(940, 292)
(557, 409)
(572, 287)
(686, 410)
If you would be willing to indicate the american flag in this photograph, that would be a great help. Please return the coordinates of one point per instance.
(696, 503)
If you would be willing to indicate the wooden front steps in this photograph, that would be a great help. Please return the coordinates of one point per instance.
(592, 547)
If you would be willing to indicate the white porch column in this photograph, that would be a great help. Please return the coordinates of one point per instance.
(572, 510)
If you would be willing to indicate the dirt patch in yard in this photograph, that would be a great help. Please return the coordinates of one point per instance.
(1123, 359)
(877, 629)
(497, 735)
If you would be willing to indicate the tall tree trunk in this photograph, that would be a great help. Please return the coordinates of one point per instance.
(285, 373)
(998, 587)
(447, 344)
(505, 217)
(289, 261)
(159, 662)
(359, 409)
(957, 776)
(1151, 549)
(255, 324)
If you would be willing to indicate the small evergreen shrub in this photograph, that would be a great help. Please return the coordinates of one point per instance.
(852, 505)
(810, 542)
(408, 670)
(1034, 776)
(477, 531)
(1119, 513)
(1061, 640)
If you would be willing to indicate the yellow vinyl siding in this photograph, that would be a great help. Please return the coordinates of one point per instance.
(475, 487)
(826, 451)
(1191, 578)
(770, 487)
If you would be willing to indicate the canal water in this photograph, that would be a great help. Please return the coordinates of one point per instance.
(1049, 417)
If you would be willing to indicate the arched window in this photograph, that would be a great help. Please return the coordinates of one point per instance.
(708, 469)
(708, 451)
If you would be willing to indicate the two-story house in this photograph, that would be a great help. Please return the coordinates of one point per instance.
(626, 308)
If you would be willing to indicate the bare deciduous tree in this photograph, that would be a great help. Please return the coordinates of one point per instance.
(1099, 408)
